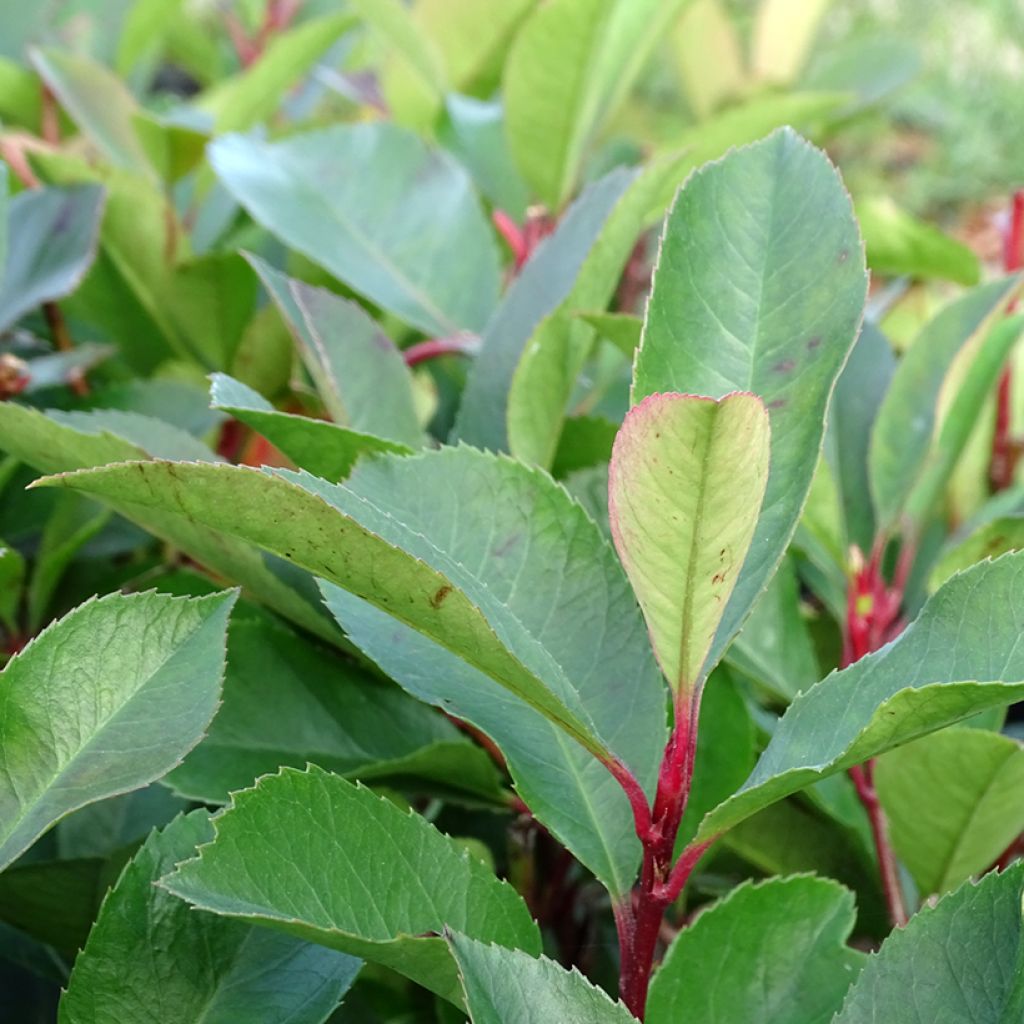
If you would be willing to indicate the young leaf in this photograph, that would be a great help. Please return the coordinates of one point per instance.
(573, 61)
(958, 961)
(355, 366)
(954, 802)
(684, 491)
(380, 231)
(774, 953)
(759, 287)
(323, 448)
(784, 32)
(51, 243)
(708, 56)
(317, 857)
(505, 986)
(988, 541)
(197, 966)
(106, 700)
(299, 524)
(959, 657)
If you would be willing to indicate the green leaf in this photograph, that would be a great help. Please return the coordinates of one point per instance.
(98, 102)
(104, 701)
(773, 953)
(989, 541)
(302, 526)
(898, 243)
(287, 702)
(358, 371)
(323, 448)
(5, 202)
(378, 883)
(547, 568)
(197, 966)
(173, 149)
(381, 231)
(394, 23)
(906, 421)
(684, 491)
(959, 657)
(783, 35)
(954, 802)
(572, 63)
(621, 329)
(961, 961)
(708, 56)
(12, 577)
(759, 287)
(51, 237)
(505, 986)
(541, 287)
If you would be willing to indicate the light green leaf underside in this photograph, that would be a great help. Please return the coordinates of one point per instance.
(505, 986)
(104, 701)
(774, 953)
(315, 856)
(759, 287)
(960, 962)
(955, 801)
(962, 655)
(198, 967)
(685, 486)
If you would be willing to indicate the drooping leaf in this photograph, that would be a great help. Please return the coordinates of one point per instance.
(381, 231)
(394, 882)
(961, 961)
(51, 236)
(355, 366)
(197, 966)
(684, 491)
(289, 703)
(106, 700)
(959, 657)
(573, 61)
(774, 953)
(505, 986)
(954, 802)
(759, 287)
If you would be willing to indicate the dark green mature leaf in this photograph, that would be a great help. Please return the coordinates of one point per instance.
(315, 856)
(104, 701)
(759, 287)
(12, 576)
(505, 986)
(51, 242)
(572, 63)
(961, 656)
(906, 420)
(382, 231)
(324, 448)
(299, 524)
(545, 282)
(287, 702)
(954, 802)
(197, 966)
(356, 367)
(774, 953)
(960, 962)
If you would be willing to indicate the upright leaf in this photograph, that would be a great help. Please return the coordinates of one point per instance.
(774, 953)
(759, 287)
(684, 491)
(382, 231)
(784, 31)
(106, 700)
(197, 966)
(395, 882)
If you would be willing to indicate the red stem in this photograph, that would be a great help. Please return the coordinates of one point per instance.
(459, 345)
(863, 780)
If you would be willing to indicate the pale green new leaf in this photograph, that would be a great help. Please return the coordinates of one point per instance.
(407, 231)
(685, 486)
(197, 967)
(759, 287)
(960, 962)
(320, 858)
(774, 953)
(505, 986)
(706, 47)
(783, 35)
(962, 655)
(988, 541)
(954, 802)
(104, 701)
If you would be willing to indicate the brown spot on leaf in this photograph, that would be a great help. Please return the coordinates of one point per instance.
(813, 343)
(438, 599)
(777, 404)
(785, 366)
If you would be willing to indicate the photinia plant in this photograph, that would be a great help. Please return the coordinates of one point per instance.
(473, 646)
